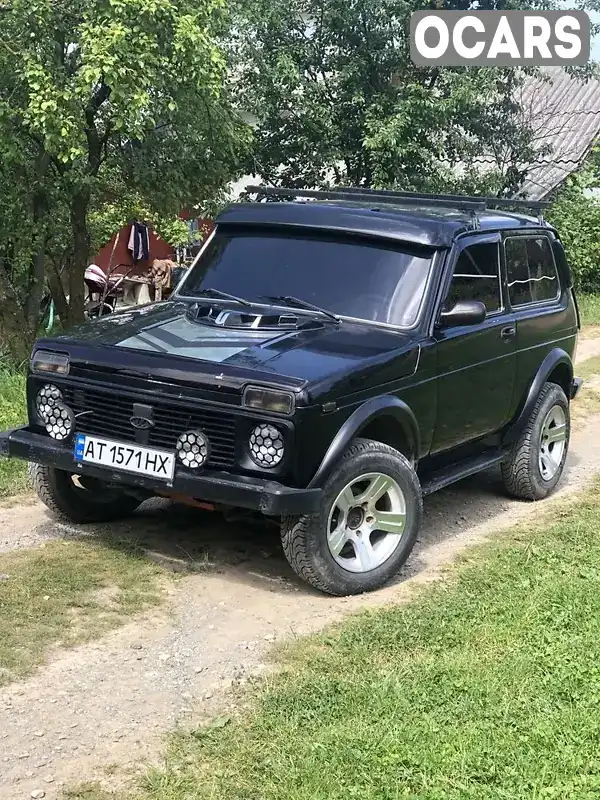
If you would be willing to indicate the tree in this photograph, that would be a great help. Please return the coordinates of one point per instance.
(576, 213)
(103, 102)
(21, 251)
(338, 100)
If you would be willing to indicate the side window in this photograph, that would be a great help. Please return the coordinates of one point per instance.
(530, 270)
(477, 277)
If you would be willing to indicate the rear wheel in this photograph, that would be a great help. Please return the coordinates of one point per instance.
(80, 499)
(367, 525)
(538, 457)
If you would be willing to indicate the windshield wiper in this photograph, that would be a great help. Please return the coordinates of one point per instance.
(288, 300)
(222, 296)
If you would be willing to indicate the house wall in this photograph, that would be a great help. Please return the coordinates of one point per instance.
(122, 261)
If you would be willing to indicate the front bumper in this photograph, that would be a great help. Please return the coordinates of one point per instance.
(225, 488)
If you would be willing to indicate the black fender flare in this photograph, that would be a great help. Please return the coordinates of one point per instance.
(386, 405)
(555, 357)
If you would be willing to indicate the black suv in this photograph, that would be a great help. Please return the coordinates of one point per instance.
(328, 359)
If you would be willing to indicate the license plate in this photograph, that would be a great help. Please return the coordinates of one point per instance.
(126, 457)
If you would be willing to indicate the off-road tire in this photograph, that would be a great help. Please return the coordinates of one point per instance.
(68, 503)
(521, 472)
(304, 538)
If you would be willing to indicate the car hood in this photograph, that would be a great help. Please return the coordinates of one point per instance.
(168, 344)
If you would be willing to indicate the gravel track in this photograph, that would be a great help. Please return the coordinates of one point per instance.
(110, 702)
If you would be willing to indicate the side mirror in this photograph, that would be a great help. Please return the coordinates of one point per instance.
(466, 312)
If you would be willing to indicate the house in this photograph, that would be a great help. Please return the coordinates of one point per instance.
(564, 112)
(116, 258)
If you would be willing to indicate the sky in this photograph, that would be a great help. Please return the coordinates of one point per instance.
(595, 52)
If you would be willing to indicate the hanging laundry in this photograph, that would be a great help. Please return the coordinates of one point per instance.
(139, 242)
(192, 226)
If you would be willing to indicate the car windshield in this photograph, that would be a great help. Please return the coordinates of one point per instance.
(377, 282)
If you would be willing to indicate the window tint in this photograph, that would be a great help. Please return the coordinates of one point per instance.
(530, 270)
(477, 277)
(379, 282)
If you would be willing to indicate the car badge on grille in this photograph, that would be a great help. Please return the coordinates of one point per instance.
(141, 423)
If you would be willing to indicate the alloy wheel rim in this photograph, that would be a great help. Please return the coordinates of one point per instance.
(366, 522)
(553, 442)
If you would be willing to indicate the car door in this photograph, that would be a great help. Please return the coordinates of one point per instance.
(476, 363)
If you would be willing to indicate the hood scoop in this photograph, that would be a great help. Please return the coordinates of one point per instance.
(242, 319)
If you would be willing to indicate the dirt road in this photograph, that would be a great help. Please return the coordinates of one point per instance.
(108, 703)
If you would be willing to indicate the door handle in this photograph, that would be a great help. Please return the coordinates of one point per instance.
(508, 332)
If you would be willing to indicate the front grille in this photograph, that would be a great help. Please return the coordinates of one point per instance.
(111, 412)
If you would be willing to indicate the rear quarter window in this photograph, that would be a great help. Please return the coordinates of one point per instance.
(530, 270)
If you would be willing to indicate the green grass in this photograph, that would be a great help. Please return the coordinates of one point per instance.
(589, 308)
(589, 368)
(588, 399)
(66, 593)
(13, 473)
(485, 686)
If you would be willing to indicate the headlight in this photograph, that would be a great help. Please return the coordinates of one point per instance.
(266, 445)
(60, 421)
(45, 361)
(47, 398)
(192, 449)
(269, 400)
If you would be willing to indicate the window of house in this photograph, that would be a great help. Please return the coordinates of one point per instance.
(530, 270)
(477, 277)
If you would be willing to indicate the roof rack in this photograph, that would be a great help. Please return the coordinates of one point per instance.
(499, 202)
(470, 203)
(384, 197)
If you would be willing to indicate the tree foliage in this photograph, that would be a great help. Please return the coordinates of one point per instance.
(103, 103)
(117, 109)
(576, 214)
(338, 100)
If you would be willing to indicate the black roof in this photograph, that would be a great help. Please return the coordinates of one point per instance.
(416, 224)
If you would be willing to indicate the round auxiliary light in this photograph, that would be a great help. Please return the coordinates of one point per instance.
(47, 398)
(266, 445)
(60, 422)
(192, 449)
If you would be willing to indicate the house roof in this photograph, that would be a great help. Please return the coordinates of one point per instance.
(565, 114)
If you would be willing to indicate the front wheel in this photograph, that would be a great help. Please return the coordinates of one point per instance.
(367, 525)
(74, 498)
(537, 459)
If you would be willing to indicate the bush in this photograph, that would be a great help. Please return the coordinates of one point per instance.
(13, 412)
(577, 218)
